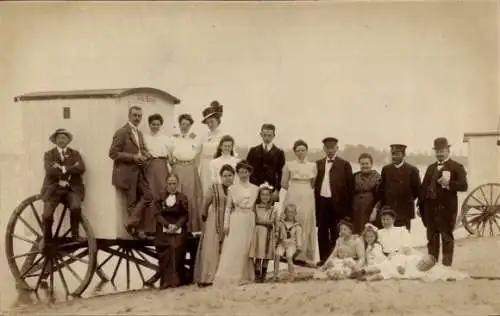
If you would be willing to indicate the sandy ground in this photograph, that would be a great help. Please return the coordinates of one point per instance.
(476, 256)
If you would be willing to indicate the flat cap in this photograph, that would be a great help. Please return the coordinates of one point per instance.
(398, 147)
(330, 140)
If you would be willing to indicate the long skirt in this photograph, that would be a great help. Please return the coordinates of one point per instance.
(190, 185)
(171, 259)
(205, 172)
(156, 176)
(209, 249)
(362, 207)
(235, 265)
(301, 194)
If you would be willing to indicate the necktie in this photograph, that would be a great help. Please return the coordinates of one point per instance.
(330, 160)
(63, 154)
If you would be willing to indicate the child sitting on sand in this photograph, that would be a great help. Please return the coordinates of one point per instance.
(288, 240)
(373, 251)
(347, 256)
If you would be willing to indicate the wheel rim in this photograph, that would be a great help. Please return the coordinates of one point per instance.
(66, 268)
(481, 210)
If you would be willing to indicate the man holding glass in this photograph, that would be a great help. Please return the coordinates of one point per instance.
(438, 202)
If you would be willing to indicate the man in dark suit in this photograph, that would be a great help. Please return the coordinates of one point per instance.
(62, 183)
(399, 187)
(333, 191)
(437, 201)
(130, 157)
(267, 160)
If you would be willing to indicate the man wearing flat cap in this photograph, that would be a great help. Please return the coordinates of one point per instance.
(399, 187)
(438, 202)
(62, 183)
(333, 189)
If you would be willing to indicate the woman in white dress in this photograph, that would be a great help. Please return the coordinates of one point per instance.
(212, 116)
(235, 265)
(185, 149)
(298, 181)
(223, 156)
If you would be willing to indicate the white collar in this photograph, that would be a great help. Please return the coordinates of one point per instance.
(400, 164)
(333, 158)
(60, 150)
(443, 162)
(267, 146)
(134, 128)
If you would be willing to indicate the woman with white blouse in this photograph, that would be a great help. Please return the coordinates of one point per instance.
(185, 150)
(158, 167)
(223, 156)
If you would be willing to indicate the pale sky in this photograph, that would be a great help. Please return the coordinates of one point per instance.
(366, 73)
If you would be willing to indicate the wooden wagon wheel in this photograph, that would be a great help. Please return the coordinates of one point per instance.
(57, 264)
(481, 210)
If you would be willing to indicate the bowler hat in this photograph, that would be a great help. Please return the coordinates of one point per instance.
(441, 143)
(398, 147)
(58, 131)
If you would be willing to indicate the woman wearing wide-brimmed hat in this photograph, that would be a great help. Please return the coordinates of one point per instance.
(212, 118)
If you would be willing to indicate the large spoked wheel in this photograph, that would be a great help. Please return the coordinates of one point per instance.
(481, 210)
(66, 267)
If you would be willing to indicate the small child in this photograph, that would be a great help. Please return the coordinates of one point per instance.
(288, 240)
(348, 255)
(262, 249)
(374, 255)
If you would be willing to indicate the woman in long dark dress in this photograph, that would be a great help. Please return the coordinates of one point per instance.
(366, 182)
(171, 233)
(210, 245)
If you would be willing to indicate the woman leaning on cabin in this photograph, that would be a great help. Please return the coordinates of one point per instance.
(172, 213)
(366, 182)
(185, 150)
(210, 245)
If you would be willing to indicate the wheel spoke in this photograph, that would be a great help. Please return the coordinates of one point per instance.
(116, 267)
(36, 252)
(24, 239)
(28, 270)
(496, 223)
(480, 203)
(104, 261)
(35, 213)
(61, 219)
(490, 221)
(67, 266)
(127, 265)
(51, 276)
(61, 275)
(40, 277)
(484, 196)
(137, 267)
(29, 226)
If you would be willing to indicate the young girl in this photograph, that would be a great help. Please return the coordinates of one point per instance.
(263, 243)
(347, 256)
(373, 253)
(289, 240)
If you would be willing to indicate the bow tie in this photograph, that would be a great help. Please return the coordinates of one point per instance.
(330, 160)
(440, 163)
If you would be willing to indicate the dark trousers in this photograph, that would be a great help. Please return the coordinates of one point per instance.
(403, 223)
(61, 196)
(440, 226)
(327, 220)
(139, 201)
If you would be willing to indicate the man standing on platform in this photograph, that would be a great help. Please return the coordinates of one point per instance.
(333, 190)
(267, 160)
(438, 202)
(399, 187)
(130, 157)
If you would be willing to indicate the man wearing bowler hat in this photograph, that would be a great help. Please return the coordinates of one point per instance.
(399, 187)
(333, 190)
(438, 202)
(62, 183)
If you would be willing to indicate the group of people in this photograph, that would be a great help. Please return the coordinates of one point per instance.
(250, 211)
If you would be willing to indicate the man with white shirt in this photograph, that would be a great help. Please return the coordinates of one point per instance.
(333, 189)
(62, 183)
(399, 187)
(267, 160)
(130, 158)
(438, 202)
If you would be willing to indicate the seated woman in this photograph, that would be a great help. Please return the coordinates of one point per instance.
(172, 211)
(347, 256)
(402, 261)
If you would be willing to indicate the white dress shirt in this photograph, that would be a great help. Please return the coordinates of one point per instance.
(326, 191)
(400, 164)
(157, 145)
(185, 147)
(62, 152)
(267, 147)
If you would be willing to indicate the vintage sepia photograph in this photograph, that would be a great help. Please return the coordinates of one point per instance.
(250, 158)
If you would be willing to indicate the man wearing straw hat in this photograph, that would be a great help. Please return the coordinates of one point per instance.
(62, 183)
(438, 202)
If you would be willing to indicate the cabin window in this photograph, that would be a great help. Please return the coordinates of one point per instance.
(66, 113)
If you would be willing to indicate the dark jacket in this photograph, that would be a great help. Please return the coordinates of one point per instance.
(267, 166)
